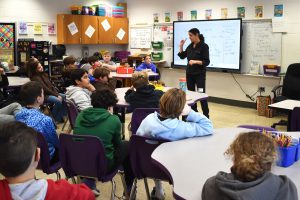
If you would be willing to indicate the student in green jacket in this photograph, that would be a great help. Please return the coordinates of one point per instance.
(100, 122)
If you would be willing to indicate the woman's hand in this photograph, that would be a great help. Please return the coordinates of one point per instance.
(182, 43)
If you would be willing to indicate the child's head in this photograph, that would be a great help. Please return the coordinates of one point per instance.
(104, 99)
(101, 73)
(32, 93)
(171, 104)
(80, 78)
(147, 59)
(69, 62)
(18, 149)
(33, 67)
(139, 79)
(253, 154)
(106, 56)
(94, 61)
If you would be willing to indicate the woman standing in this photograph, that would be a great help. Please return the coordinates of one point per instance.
(197, 54)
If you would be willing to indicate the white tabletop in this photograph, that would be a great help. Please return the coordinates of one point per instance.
(192, 97)
(17, 81)
(116, 75)
(286, 104)
(192, 161)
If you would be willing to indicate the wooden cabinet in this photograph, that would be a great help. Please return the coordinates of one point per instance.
(120, 25)
(72, 29)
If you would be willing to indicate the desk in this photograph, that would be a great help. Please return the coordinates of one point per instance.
(192, 161)
(126, 78)
(192, 98)
(15, 81)
(287, 105)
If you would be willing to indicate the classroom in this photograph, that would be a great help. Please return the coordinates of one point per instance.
(133, 99)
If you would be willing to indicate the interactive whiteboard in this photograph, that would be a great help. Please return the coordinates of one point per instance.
(222, 36)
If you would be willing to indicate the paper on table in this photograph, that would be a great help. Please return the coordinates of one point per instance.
(105, 24)
(73, 28)
(279, 25)
(121, 34)
(90, 31)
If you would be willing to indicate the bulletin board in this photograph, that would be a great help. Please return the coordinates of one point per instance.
(140, 37)
(7, 43)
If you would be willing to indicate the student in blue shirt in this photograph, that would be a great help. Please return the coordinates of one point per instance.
(32, 95)
(147, 64)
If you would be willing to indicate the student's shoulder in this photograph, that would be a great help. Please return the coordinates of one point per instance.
(115, 119)
(62, 189)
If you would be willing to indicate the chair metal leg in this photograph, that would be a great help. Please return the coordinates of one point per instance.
(58, 176)
(133, 190)
(113, 190)
(147, 188)
(65, 124)
(124, 184)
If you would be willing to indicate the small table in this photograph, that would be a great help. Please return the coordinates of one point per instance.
(287, 105)
(192, 98)
(192, 161)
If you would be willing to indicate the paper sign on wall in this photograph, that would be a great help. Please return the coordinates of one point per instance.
(73, 28)
(37, 29)
(23, 28)
(105, 24)
(51, 28)
(90, 31)
(121, 34)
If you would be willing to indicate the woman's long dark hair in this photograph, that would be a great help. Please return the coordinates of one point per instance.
(196, 31)
(31, 67)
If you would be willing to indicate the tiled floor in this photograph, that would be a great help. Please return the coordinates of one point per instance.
(221, 116)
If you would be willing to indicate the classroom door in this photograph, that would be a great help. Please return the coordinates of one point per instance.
(89, 29)
(69, 29)
(120, 30)
(105, 25)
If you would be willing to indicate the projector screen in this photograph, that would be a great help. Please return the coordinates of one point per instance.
(222, 36)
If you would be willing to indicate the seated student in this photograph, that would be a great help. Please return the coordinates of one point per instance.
(19, 157)
(81, 89)
(36, 73)
(94, 62)
(102, 80)
(84, 64)
(251, 178)
(8, 113)
(106, 62)
(145, 95)
(147, 64)
(69, 63)
(3, 83)
(98, 121)
(32, 96)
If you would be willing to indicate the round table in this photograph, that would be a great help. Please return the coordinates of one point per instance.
(202, 158)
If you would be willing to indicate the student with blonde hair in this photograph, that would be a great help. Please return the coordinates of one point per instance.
(253, 155)
(107, 62)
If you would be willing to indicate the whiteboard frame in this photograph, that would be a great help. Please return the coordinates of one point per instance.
(149, 26)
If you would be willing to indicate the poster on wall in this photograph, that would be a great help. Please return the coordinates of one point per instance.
(167, 17)
(51, 29)
(73, 28)
(7, 43)
(208, 14)
(259, 11)
(224, 13)
(37, 29)
(156, 17)
(23, 30)
(193, 14)
(180, 16)
(241, 12)
(278, 10)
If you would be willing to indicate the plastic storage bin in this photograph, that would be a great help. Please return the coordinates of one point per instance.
(273, 70)
(286, 156)
(157, 45)
(297, 153)
(76, 10)
(157, 56)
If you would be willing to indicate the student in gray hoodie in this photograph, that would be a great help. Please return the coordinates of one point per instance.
(81, 90)
(250, 179)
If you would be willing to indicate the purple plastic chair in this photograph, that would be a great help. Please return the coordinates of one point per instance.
(45, 163)
(72, 112)
(142, 164)
(138, 115)
(258, 128)
(84, 156)
(295, 119)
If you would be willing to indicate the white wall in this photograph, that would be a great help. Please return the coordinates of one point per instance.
(46, 11)
(220, 84)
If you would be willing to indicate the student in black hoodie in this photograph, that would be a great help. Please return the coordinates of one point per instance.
(250, 179)
(141, 94)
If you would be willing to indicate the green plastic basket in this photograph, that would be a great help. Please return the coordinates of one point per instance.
(157, 56)
(157, 45)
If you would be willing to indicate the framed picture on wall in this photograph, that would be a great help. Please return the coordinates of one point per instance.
(8, 43)
(241, 12)
(259, 11)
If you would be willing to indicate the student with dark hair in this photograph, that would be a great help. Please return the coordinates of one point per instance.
(80, 90)
(36, 73)
(197, 54)
(141, 94)
(147, 64)
(69, 63)
(94, 62)
(19, 157)
(32, 96)
(253, 155)
(102, 80)
(100, 122)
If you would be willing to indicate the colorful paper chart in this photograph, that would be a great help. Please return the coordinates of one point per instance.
(6, 36)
